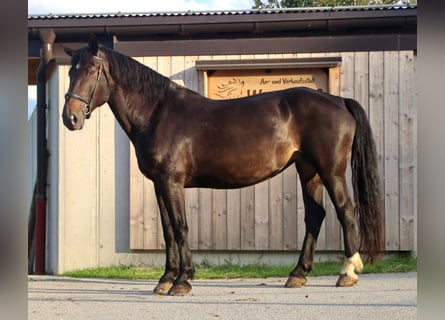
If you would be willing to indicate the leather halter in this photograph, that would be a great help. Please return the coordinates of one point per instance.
(86, 110)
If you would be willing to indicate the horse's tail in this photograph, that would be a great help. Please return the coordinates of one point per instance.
(366, 184)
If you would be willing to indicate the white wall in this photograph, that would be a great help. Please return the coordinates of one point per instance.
(32, 153)
(88, 202)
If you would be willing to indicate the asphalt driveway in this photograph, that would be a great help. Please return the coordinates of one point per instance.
(377, 297)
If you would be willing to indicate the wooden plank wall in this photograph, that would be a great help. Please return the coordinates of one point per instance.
(270, 215)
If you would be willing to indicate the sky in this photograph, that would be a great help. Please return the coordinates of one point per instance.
(107, 6)
(45, 7)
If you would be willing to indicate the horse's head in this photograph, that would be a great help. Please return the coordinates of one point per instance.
(89, 85)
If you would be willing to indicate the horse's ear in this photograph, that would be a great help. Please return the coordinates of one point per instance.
(68, 51)
(93, 45)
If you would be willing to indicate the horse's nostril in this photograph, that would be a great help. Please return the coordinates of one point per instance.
(73, 119)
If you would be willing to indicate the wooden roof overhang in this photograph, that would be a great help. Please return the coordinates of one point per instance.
(334, 29)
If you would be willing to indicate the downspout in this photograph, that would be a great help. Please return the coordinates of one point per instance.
(47, 37)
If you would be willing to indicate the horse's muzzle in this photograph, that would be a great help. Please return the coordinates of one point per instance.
(73, 120)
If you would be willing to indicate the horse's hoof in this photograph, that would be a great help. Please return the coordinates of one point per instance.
(163, 288)
(295, 282)
(346, 281)
(180, 289)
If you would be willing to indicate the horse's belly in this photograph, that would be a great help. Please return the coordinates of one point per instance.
(239, 170)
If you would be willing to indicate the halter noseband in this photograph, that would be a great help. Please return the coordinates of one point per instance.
(86, 110)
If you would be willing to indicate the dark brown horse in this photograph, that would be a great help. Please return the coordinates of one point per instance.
(184, 140)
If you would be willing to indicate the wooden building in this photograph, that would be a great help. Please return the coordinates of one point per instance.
(102, 211)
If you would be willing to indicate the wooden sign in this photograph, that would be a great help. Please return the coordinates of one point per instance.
(230, 84)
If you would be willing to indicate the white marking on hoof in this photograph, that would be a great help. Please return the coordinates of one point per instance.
(352, 264)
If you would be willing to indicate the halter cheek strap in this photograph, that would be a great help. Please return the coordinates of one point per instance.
(86, 110)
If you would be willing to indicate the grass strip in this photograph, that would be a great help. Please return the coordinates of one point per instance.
(402, 263)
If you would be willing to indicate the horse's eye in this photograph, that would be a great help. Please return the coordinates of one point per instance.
(91, 72)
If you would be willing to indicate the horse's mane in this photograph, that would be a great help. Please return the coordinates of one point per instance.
(134, 76)
(129, 73)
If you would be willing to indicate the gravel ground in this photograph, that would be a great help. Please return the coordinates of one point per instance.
(377, 297)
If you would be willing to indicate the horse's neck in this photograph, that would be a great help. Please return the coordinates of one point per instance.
(132, 110)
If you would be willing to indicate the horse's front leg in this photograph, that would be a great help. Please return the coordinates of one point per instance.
(172, 195)
(171, 251)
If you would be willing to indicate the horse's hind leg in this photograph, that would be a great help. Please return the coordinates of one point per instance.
(345, 209)
(312, 189)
